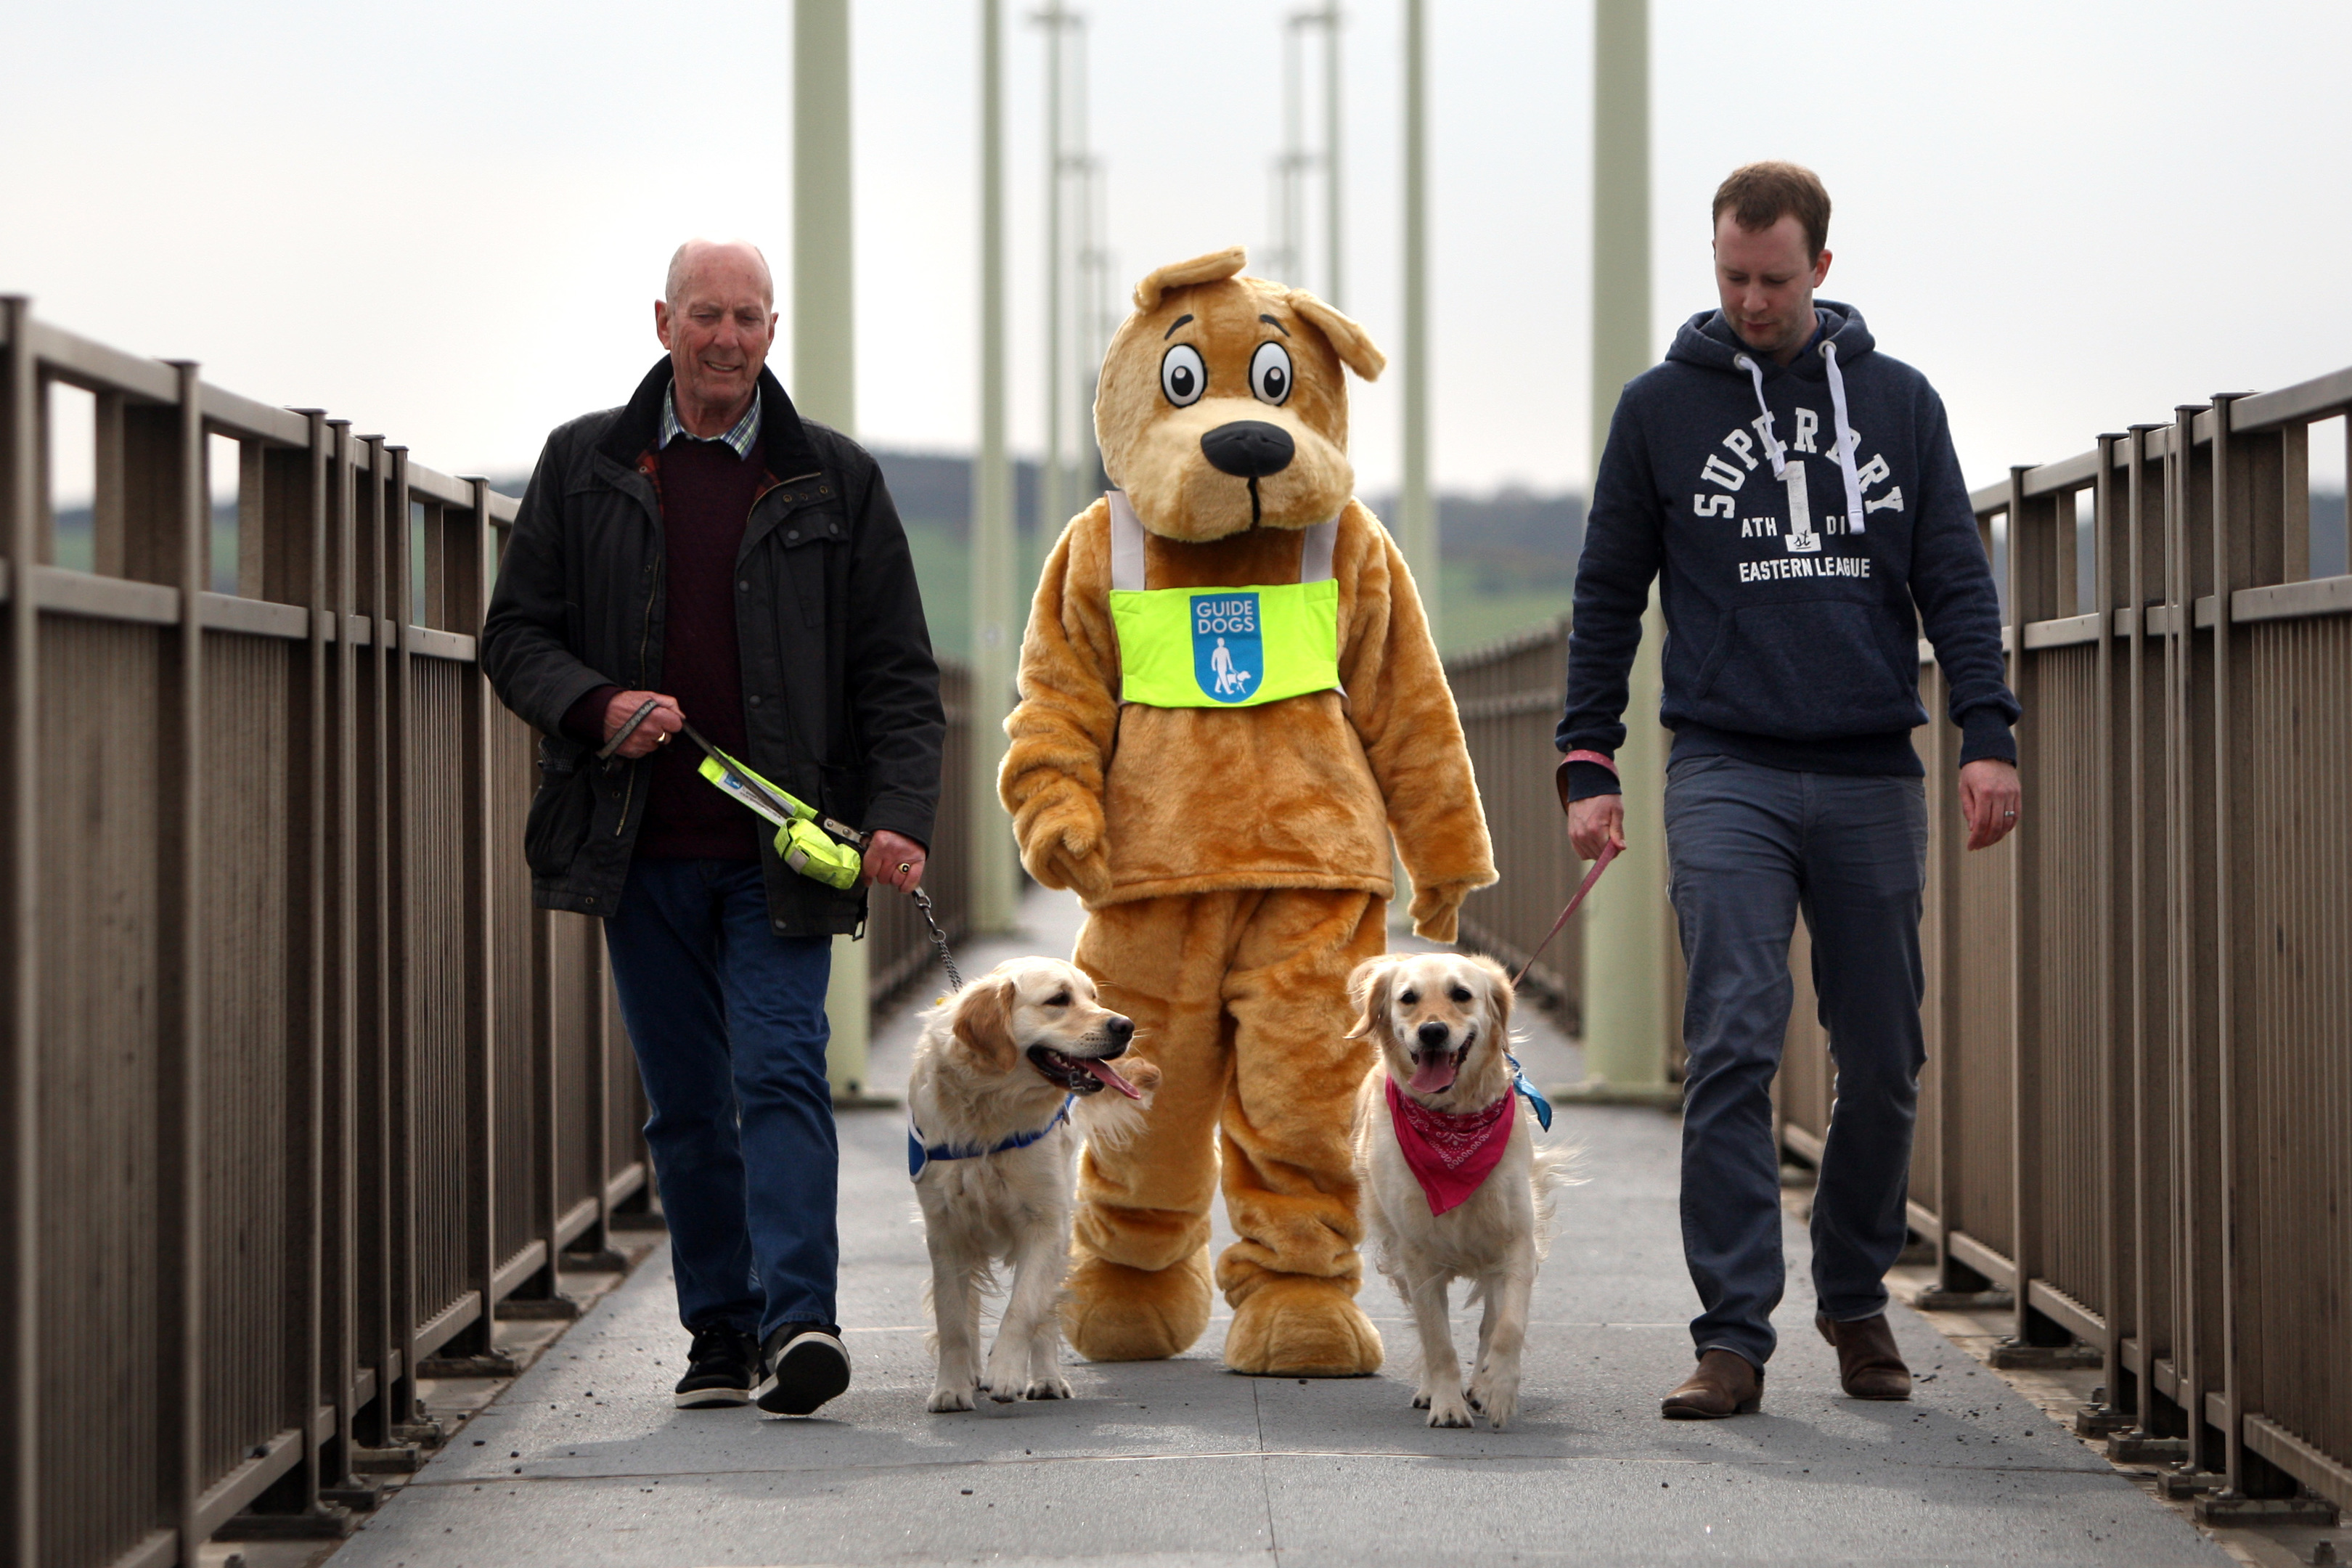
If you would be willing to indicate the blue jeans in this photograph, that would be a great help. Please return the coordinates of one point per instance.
(727, 1019)
(1750, 847)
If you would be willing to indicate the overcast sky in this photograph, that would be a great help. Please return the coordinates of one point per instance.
(447, 221)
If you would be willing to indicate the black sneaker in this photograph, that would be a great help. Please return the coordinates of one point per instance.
(721, 1370)
(810, 1365)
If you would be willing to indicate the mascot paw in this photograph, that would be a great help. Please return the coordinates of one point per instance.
(1292, 1325)
(1112, 1312)
(1087, 875)
(1437, 911)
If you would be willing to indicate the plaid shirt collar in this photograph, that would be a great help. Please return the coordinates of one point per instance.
(746, 431)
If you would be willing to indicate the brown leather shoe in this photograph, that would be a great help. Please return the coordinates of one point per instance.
(1725, 1383)
(1869, 1366)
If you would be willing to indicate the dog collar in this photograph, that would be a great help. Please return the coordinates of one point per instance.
(919, 1153)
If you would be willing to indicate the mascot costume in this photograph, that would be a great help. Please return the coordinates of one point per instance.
(1229, 702)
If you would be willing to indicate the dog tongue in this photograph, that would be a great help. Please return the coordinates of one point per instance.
(1109, 1075)
(1432, 1074)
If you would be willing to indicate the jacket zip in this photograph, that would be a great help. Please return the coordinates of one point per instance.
(645, 640)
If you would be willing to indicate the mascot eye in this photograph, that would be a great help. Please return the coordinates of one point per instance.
(1270, 374)
(1183, 376)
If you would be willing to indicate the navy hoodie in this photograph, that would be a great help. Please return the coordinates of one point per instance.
(1793, 603)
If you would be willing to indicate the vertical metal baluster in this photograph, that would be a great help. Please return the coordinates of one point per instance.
(180, 544)
(286, 563)
(341, 1196)
(2107, 1034)
(20, 974)
(482, 1171)
(2031, 527)
(402, 981)
(377, 880)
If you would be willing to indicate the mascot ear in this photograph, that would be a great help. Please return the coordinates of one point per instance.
(1213, 268)
(1347, 340)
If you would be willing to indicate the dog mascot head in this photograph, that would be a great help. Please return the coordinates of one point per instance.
(1223, 403)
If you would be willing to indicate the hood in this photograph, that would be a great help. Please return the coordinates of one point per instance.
(1707, 339)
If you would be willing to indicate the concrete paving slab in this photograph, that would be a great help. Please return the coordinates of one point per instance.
(583, 1461)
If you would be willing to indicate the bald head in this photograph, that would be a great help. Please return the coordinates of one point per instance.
(738, 257)
(717, 316)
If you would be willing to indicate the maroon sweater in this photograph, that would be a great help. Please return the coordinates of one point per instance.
(706, 500)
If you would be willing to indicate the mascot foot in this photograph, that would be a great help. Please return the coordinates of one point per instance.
(1112, 1312)
(1293, 1325)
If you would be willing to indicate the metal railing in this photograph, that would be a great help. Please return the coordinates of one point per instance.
(297, 1087)
(2138, 1109)
(1510, 694)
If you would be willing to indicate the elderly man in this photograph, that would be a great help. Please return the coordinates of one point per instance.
(705, 549)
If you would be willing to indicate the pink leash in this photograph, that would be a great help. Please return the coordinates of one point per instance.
(1608, 853)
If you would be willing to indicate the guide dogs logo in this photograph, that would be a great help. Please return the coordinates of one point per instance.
(1228, 652)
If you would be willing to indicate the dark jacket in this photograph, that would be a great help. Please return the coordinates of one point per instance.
(1793, 602)
(841, 693)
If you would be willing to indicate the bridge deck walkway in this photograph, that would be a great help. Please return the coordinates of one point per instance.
(1177, 1463)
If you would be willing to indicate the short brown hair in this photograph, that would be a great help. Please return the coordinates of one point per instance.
(1759, 194)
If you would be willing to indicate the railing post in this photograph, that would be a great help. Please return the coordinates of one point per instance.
(2109, 574)
(379, 879)
(341, 881)
(1947, 841)
(2032, 592)
(20, 973)
(286, 562)
(167, 542)
(2142, 808)
(2189, 915)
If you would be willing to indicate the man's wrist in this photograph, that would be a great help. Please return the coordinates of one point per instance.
(1985, 736)
(1583, 774)
(584, 720)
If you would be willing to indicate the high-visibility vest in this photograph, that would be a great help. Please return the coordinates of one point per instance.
(1224, 647)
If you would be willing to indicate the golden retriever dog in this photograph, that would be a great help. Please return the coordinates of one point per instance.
(1009, 1075)
(1452, 1185)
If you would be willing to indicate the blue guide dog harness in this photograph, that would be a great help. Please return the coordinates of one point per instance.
(919, 1153)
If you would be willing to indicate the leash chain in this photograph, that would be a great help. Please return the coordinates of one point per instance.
(938, 940)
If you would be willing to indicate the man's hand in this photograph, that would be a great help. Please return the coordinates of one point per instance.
(1594, 823)
(660, 725)
(1989, 799)
(891, 859)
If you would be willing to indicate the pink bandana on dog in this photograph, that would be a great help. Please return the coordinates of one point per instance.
(1448, 1155)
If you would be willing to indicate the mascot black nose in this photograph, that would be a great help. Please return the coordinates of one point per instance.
(1249, 448)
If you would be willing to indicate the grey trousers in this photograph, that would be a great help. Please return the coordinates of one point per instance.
(1750, 847)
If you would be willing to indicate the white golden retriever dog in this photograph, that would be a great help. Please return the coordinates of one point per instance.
(1009, 1075)
(1452, 1184)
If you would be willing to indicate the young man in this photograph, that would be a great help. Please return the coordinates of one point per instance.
(1798, 495)
(705, 549)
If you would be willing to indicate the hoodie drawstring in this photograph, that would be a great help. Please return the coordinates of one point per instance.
(1846, 439)
(1773, 448)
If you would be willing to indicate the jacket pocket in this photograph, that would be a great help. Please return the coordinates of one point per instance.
(560, 812)
(1805, 669)
(803, 568)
